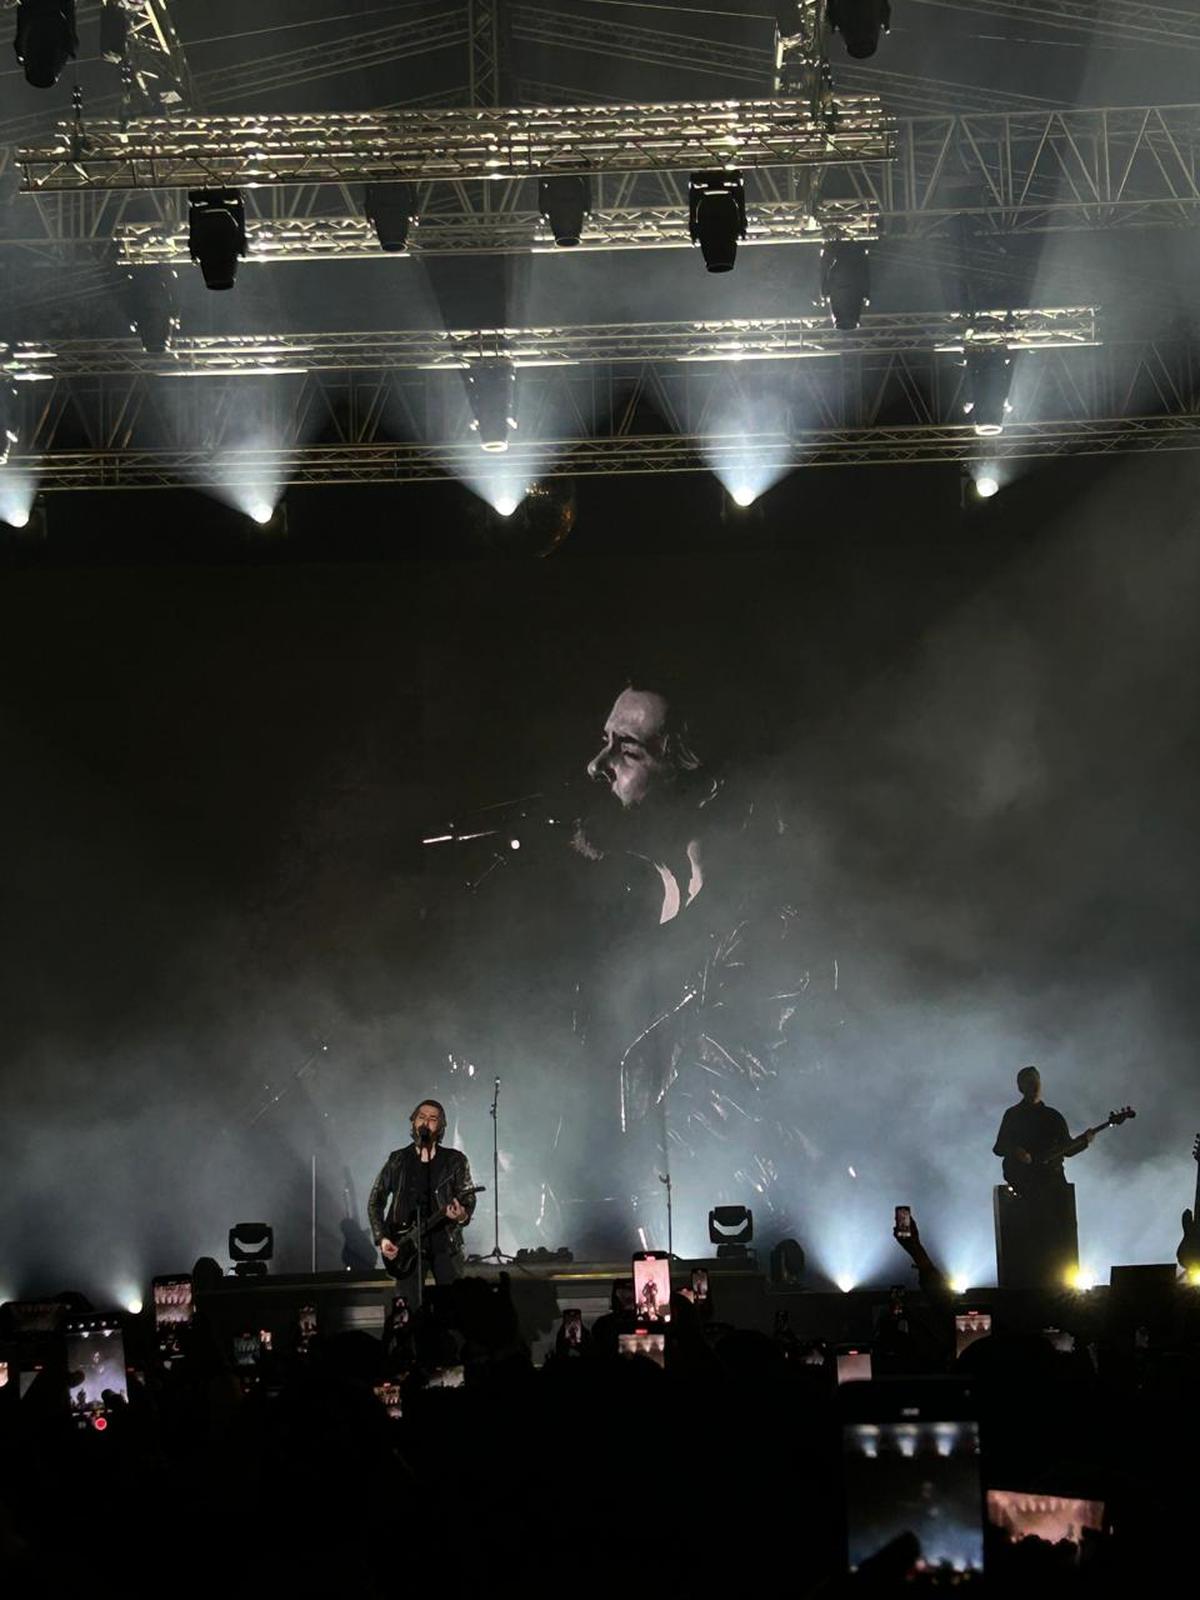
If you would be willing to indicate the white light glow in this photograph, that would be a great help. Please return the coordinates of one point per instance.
(959, 1285)
(845, 1283)
(134, 1307)
(743, 495)
(17, 492)
(1081, 1279)
(260, 511)
(986, 486)
(505, 504)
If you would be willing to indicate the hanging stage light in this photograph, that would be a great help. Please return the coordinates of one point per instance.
(845, 281)
(989, 376)
(717, 216)
(565, 202)
(860, 22)
(152, 297)
(217, 234)
(10, 418)
(392, 209)
(114, 31)
(492, 393)
(46, 39)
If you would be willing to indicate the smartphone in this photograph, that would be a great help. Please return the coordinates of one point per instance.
(400, 1311)
(95, 1368)
(572, 1328)
(389, 1395)
(644, 1341)
(1059, 1521)
(969, 1326)
(306, 1327)
(904, 1222)
(853, 1365)
(910, 1465)
(652, 1286)
(246, 1350)
(173, 1312)
(699, 1284)
(446, 1378)
(264, 1341)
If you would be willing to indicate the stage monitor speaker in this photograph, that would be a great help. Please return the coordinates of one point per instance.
(1143, 1295)
(1037, 1242)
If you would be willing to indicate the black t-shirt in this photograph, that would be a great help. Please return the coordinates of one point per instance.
(1036, 1128)
(423, 1190)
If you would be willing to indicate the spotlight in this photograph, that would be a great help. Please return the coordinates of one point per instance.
(717, 216)
(845, 1283)
(529, 519)
(1193, 1277)
(565, 202)
(46, 39)
(10, 419)
(266, 515)
(492, 393)
(959, 1285)
(392, 208)
(986, 486)
(989, 376)
(134, 1307)
(731, 1229)
(1081, 1279)
(251, 1246)
(860, 22)
(787, 1264)
(217, 234)
(152, 295)
(845, 281)
(114, 31)
(743, 497)
(505, 504)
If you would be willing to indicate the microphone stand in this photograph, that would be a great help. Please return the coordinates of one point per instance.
(495, 1253)
(665, 1177)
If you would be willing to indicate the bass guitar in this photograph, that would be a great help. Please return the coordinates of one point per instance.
(1188, 1254)
(1032, 1178)
(406, 1238)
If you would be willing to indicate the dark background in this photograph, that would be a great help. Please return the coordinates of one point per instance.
(225, 951)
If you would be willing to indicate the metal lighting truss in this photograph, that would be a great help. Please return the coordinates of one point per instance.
(739, 339)
(153, 53)
(1018, 172)
(130, 429)
(1122, 19)
(452, 143)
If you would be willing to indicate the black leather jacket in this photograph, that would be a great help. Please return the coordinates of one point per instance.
(397, 1180)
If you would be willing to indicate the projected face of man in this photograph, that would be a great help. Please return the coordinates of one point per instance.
(631, 760)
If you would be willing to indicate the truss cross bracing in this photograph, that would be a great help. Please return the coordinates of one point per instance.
(453, 143)
(610, 417)
(732, 340)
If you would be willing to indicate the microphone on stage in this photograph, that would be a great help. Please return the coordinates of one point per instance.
(425, 1134)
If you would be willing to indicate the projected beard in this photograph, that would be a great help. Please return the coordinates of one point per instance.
(714, 1009)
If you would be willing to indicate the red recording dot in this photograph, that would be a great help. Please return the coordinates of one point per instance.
(99, 1423)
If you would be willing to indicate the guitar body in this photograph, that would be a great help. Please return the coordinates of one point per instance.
(406, 1238)
(1042, 1178)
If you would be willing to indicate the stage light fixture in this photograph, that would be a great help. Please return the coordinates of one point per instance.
(114, 31)
(217, 234)
(986, 486)
(565, 202)
(10, 418)
(787, 1263)
(860, 22)
(152, 295)
(268, 516)
(989, 377)
(717, 216)
(845, 281)
(46, 39)
(731, 1229)
(251, 1246)
(492, 395)
(743, 496)
(392, 209)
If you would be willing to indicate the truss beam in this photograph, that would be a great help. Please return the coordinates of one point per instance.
(154, 54)
(452, 143)
(733, 340)
(413, 463)
(1120, 19)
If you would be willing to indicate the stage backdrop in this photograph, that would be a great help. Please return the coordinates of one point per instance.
(757, 861)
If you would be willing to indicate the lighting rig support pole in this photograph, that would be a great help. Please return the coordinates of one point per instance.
(802, 71)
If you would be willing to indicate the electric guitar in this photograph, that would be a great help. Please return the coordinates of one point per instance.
(406, 1238)
(1188, 1254)
(1031, 1177)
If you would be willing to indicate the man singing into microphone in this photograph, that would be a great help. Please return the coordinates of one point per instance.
(428, 1188)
